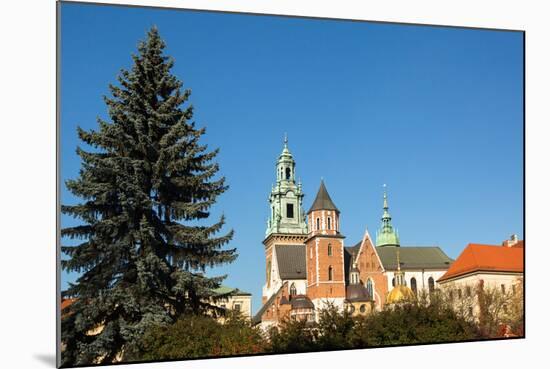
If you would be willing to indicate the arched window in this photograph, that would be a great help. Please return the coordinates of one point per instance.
(328, 223)
(393, 282)
(370, 291)
(329, 250)
(292, 289)
(413, 285)
(431, 285)
(330, 273)
(287, 174)
(318, 224)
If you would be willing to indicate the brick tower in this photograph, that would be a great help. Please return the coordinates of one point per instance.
(325, 252)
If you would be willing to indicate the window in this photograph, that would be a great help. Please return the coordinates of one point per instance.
(413, 285)
(328, 223)
(329, 251)
(470, 311)
(330, 273)
(292, 289)
(459, 293)
(370, 293)
(237, 307)
(287, 174)
(362, 308)
(468, 291)
(503, 288)
(318, 224)
(290, 210)
(393, 282)
(431, 285)
(513, 288)
(352, 309)
(451, 295)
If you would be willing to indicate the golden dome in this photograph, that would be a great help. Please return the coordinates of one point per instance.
(400, 294)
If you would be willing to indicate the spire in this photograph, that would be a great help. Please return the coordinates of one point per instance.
(386, 235)
(385, 199)
(286, 153)
(398, 262)
(399, 275)
(353, 270)
(323, 200)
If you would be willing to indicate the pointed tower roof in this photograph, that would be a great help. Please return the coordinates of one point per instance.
(386, 235)
(323, 200)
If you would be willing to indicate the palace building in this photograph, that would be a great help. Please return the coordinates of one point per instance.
(308, 265)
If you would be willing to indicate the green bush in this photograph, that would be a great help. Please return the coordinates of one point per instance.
(411, 324)
(199, 337)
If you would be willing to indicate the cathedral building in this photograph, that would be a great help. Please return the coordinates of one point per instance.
(309, 267)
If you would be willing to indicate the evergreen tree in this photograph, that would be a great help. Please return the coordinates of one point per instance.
(145, 185)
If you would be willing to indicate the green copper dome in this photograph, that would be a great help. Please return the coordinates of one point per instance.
(386, 235)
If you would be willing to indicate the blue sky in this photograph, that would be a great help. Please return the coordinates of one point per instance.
(435, 113)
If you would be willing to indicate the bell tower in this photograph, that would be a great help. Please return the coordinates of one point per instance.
(285, 200)
(325, 252)
(286, 225)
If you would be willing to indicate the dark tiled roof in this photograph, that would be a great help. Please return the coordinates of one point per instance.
(323, 200)
(348, 252)
(291, 260)
(301, 302)
(356, 292)
(256, 319)
(429, 257)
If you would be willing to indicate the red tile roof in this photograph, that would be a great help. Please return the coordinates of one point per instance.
(476, 257)
(66, 302)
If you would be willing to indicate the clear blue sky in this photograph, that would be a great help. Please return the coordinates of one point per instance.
(436, 113)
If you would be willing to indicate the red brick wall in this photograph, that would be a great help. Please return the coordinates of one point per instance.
(277, 312)
(323, 216)
(325, 288)
(370, 267)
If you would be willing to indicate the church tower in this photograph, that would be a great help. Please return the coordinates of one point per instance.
(286, 225)
(285, 200)
(325, 252)
(386, 235)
